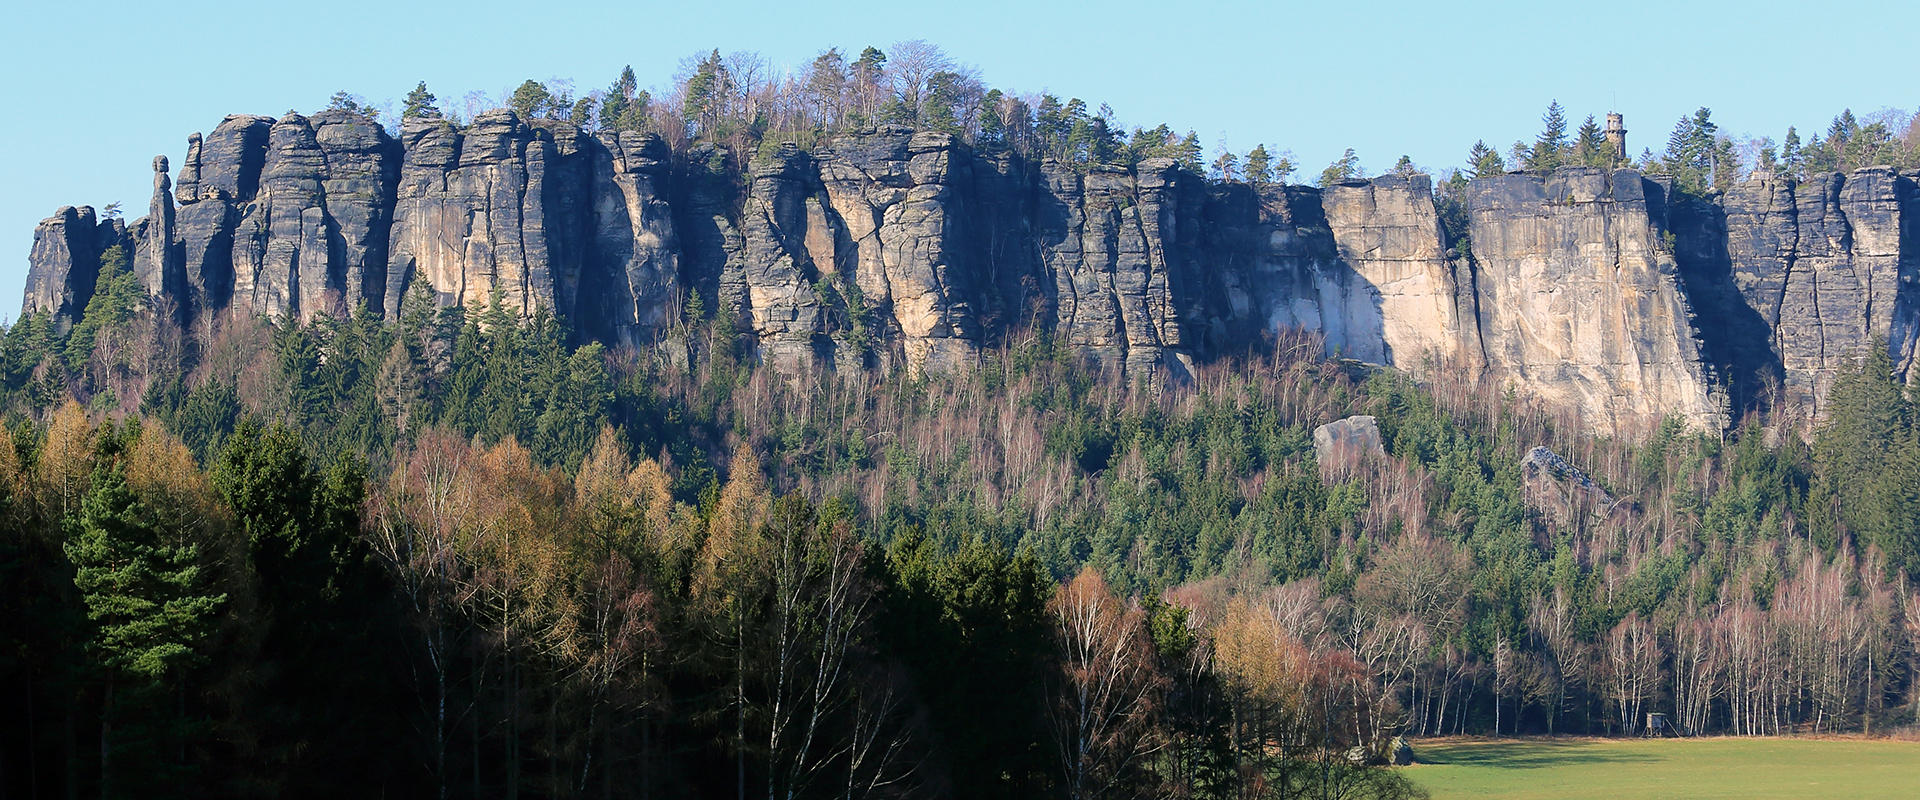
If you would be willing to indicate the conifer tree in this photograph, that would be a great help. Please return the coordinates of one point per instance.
(1346, 167)
(1485, 162)
(1792, 159)
(420, 104)
(1259, 166)
(1550, 147)
(1590, 145)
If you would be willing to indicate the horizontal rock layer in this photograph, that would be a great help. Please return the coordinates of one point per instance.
(893, 247)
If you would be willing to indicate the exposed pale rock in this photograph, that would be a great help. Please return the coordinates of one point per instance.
(1590, 289)
(777, 225)
(1581, 302)
(899, 195)
(1558, 489)
(1415, 305)
(1343, 444)
(634, 293)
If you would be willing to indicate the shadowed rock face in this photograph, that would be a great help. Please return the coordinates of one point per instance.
(1795, 280)
(1589, 288)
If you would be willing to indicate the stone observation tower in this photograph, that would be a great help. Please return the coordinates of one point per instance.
(1617, 135)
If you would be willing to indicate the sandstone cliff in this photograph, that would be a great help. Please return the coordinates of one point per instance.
(895, 248)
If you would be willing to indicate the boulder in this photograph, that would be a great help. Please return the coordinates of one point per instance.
(1559, 490)
(1343, 444)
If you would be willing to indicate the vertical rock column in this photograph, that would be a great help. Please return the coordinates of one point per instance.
(1103, 240)
(154, 264)
(1388, 232)
(362, 166)
(633, 291)
(778, 267)
(64, 266)
(899, 196)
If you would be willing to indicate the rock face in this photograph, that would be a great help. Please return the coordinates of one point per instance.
(1581, 301)
(66, 263)
(1420, 302)
(1813, 272)
(894, 248)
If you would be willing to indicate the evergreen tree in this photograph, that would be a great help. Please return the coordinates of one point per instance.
(420, 104)
(352, 103)
(993, 131)
(1868, 455)
(1259, 166)
(152, 618)
(1590, 146)
(1405, 167)
(707, 95)
(116, 296)
(1187, 152)
(1484, 161)
(531, 100)
(1226, 165)
(1550, 147)
(1792, 159)
(144, 592)
(1344, 168)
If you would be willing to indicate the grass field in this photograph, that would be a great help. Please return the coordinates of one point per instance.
(1635, 768)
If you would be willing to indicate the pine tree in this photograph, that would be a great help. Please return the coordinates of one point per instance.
(531, 100)
(1259, 166)
(1405, 167)
(1187, 152)
(1344, 168)
(623, 107)
(707, 94)
(420, 104)
(1484, 161)
(1226, 165)
(144, 593)
(1865, 456)
(1590, 146)
(1550, 147)
(1792, 159)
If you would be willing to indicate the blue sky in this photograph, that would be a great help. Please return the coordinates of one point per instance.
(95, 91)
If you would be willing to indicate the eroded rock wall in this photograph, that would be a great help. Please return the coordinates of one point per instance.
(896, 248)
(1816, 272)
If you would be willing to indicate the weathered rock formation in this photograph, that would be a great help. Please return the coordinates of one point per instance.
(896, 248)
(1800, 278)
(1559, 490)
(1343, 444)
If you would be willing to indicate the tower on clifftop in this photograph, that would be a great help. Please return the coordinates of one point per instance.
(1617, 135)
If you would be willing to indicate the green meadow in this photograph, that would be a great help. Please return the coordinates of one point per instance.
(1668, 768)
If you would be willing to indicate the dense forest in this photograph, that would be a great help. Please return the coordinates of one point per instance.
(467, 556)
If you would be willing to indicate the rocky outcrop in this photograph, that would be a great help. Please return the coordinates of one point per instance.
(783, 224)
(65, 263)
(898, 199)
(1560, 491)
(1581, 301)
(896, 248)
(1814, 271)
(1345, 443)
(636, 288)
